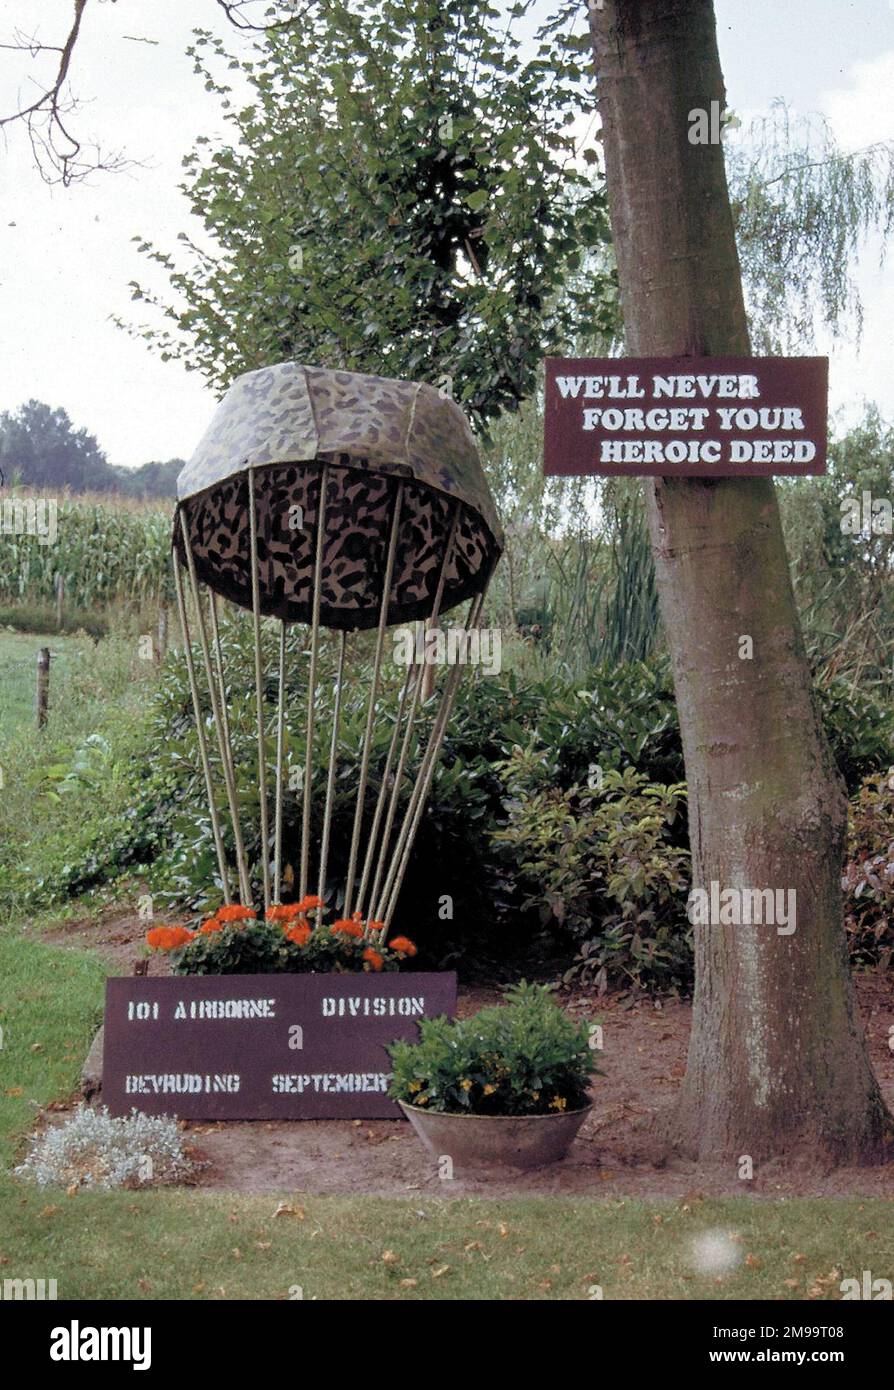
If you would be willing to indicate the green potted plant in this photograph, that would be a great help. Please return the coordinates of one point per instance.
(507, 1087)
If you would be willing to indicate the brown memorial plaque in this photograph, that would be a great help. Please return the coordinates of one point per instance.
(262, 1047)
(688, 417)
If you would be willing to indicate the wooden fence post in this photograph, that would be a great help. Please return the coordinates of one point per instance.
(161, 645)
(43, 685)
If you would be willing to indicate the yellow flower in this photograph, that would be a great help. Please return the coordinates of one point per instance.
(415, 1086)
(535, 1095)
(465, 1084)
(489, 1089)
(558, 1103)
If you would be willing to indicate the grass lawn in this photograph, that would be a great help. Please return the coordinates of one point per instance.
(186, 1245)
(183, 1243)
(18, 672)
(50, 1006)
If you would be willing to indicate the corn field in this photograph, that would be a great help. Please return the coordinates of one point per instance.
(105, 551)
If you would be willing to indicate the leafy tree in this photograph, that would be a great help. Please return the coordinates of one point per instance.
(842, 569)
(399, 196)
(41, 447)
(802, 207)
(148, 480)
(776, 1057)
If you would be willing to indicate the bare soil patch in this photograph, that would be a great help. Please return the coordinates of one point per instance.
(619, 1153)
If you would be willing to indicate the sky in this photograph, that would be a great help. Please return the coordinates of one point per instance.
(67, 255)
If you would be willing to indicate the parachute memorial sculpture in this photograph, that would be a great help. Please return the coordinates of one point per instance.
(355, 504)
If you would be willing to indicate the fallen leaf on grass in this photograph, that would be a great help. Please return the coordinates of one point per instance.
(286, 1209)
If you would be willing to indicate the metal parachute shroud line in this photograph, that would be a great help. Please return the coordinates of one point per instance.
(339, 501)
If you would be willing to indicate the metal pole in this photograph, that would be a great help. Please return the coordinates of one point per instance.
(200, 731)
(219, 712)
(330, 781)
(373, 694)
(388, 900)
(410, 729)
(312, 683)
(259, 685)
(280, 721)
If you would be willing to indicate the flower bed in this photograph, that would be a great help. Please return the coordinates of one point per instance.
(235, 941)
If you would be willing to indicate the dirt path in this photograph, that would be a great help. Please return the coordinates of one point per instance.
(619, 1151)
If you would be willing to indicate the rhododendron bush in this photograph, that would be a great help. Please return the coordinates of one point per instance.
(291, 937)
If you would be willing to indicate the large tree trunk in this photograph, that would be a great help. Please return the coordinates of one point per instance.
(776, 1055)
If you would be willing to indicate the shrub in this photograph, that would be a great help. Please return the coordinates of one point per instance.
(860, 729)
(91, 1149)
(602, 866)
(868, 880)
(525, 1057)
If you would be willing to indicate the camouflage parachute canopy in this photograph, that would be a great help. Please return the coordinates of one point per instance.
(288, 424)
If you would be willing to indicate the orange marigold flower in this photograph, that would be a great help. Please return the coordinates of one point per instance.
(357, 916)
(373, 958)
(294, 912)
(168, 938)
(309, 903)
(300, 933)
(212, 925)
(403, 945)
(235, 912)
(180, 936)
(276, 913)
(346, 926)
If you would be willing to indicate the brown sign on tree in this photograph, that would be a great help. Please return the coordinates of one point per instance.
(708, 417)
(262, 1047)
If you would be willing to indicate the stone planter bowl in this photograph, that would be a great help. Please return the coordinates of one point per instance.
(492, 1141)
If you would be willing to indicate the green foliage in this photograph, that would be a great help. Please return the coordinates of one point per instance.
(869, 873)
(125, 794)
(525, 1057)
(105, 553)
(802, 207)
(79, 806)
(859, 727)
(871, 820)
(399, 195)
(603, 865)
(262, 948)
(843, 579)
(40, 448)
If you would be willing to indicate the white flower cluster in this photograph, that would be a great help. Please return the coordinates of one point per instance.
(93, 1149)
